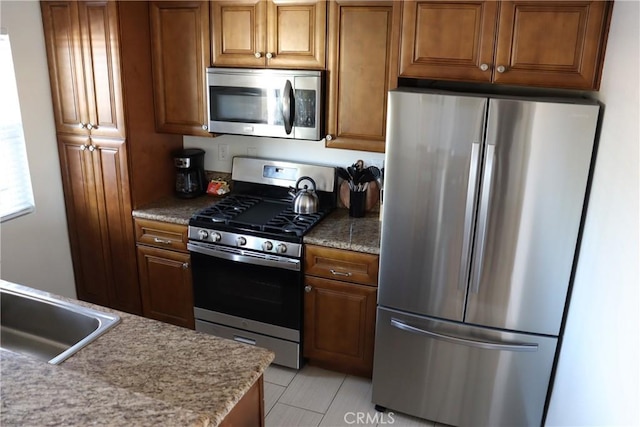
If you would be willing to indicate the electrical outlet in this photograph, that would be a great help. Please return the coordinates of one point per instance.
(252, 151)
(223, 152)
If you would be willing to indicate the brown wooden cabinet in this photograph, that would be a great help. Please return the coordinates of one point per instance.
(181, 53)
(94, 48)
(165, 272)
(340, 313)
(362, 67)
(94, 175)
(83, 56)
(557, 44)
(269, 33)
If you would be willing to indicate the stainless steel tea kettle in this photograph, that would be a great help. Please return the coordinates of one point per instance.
(305, 201)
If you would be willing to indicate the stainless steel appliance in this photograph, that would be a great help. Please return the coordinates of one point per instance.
(483, 202)
(246, 256)
(190, 176)
(265, 102)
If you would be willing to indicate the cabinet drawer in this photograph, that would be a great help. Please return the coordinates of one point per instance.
(342, 265)
(162, 234)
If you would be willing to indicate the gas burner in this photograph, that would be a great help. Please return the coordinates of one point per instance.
(226, 209)
(290, 222)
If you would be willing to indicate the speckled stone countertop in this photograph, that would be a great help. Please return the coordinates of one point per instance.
(142, 372)
(173, 209)
(339, 230)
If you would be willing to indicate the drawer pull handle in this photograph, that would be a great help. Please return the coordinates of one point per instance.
(163, 241)
(340, 273)
(244, 340)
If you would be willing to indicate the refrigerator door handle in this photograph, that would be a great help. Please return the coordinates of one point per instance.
(520, 347)
(483, 214)
(468, 215)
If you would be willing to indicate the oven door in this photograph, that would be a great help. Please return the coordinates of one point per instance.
(247, 284)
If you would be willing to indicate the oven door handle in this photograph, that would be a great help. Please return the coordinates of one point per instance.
(244, 256)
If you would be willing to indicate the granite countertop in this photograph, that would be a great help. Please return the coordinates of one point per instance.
(339, 230)
(141, 372)
(173, 209)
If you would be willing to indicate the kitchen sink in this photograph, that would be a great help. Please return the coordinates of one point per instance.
(45, 327)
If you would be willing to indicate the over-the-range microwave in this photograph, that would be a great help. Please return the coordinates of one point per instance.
(266, 102)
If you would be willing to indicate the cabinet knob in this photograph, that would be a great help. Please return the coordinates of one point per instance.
(269, 55)
(82, 125)
(501, 68)
(205, 127)
(257, 55)
(92, 148)
(89, 126)
(328, 137)
(83, 147)
(307, 289)
(484, 67)
(185, 265)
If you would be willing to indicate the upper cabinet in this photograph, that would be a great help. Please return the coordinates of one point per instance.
(269, 33)
(84, 65)
(536, 43)
(180, 53)
(362, 67)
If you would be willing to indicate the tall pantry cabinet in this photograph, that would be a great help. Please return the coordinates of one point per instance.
(111, 158)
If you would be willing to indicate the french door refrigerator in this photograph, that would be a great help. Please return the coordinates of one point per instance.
(483, 203)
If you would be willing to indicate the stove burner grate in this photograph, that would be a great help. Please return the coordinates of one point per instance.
(226, 209)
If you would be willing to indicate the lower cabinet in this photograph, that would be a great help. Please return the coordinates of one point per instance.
(340, 315)
(165, 272)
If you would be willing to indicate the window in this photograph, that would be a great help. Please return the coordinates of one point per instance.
(16, 195)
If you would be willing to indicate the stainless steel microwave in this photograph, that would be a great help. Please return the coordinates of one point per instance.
(264, 102)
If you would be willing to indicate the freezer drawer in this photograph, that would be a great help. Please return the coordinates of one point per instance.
(458, 374)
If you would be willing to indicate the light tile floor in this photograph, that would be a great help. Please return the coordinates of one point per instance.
(314, 397)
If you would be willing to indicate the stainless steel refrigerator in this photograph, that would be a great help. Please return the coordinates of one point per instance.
(483, 203)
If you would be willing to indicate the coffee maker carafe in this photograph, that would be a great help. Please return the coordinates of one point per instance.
(190, 178)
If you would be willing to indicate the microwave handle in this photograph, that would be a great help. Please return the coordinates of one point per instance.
(288, 107)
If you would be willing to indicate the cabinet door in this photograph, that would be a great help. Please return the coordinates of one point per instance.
(452, 40)
(363, 66)
(102, 76)
(116, 224)
(238, 33)
(296, 34)
(339, 323)
(165, 283)
(64, 56)
(180, 53)
(85, 225)
(551, 44)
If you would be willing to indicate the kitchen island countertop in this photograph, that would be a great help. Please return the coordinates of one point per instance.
(142, 372)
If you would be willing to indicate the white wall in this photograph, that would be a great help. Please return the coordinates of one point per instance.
(598, 377)
(35, 248)
(281, 149)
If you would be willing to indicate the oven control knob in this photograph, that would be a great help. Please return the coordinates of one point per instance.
(203, 234)
(267, 246)
(281, 248)
(241, 241)
(215, 237)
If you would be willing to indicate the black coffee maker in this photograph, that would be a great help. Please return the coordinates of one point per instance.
(190, 178)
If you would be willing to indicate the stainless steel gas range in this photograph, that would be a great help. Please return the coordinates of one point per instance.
(247, 256)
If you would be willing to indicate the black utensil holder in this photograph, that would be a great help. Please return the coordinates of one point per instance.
(357, 203)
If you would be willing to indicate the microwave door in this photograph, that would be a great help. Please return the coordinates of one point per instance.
(247, 105)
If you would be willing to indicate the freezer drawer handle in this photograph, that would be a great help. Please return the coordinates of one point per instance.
(244, 340)
(464, 341)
